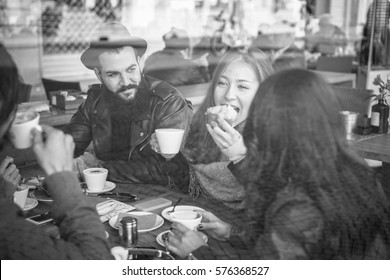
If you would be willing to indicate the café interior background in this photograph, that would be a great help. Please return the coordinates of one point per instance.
(46, 37)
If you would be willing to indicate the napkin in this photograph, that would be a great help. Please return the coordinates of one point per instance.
(111, 208)
(144, 221)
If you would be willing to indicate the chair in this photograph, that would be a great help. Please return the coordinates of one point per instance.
(354, 99)
(24, 92)
(342, 64)
(53, 85)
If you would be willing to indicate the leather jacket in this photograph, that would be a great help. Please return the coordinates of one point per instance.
(167, 109)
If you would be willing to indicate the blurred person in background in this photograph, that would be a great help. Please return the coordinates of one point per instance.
(173, 64)
(119, 116)
(212, 146)
(82, 235)
(328, 39)
(308, 194)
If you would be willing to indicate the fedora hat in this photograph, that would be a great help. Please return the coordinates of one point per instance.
(110, 36)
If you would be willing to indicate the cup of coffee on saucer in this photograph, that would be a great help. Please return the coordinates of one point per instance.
(169, 140)
(20, 130)
(189, 219)
(95, 178)
(20, 195)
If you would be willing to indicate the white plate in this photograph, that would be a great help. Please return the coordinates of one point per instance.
(159, 221)
(165, 214)
(161, 242)
(30, 204)
(108, 186)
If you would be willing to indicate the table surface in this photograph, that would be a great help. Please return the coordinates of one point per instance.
(222, 250)
(56, 116)
(374, 146)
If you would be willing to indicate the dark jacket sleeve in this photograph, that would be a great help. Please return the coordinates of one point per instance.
(153, 170)
(82, 234)
(150, 167)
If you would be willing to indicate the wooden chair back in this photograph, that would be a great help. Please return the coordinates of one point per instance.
(354, 99)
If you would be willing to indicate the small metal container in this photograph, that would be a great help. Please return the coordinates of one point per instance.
(128, 232)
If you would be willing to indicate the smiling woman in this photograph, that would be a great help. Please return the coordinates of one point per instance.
(213, 143)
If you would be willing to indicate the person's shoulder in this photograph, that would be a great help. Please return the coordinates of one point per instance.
(94, 89)
(163, 90)
(94, 93)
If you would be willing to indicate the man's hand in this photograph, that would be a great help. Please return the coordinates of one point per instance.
(53, 149)
(155, 147)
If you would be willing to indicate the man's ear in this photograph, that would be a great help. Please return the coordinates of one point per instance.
(98, 74)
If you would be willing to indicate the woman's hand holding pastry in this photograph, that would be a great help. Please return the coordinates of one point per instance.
(223, 133)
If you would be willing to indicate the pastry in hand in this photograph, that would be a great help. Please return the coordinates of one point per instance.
(226, 112)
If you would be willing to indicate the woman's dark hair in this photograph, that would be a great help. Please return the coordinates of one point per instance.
(295, 136)
(9, 84)
(200, 147)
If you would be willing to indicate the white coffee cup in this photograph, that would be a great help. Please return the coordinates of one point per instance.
(20, 130)
(20, 196)
(189, 219)
(95, 178)
(169, 140)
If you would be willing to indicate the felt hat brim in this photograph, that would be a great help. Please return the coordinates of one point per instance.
(90, 56)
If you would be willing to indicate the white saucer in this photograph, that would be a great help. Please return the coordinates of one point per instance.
(30, 204)
(161, 242)
(108, 186)
(165, 214)
(159, 221)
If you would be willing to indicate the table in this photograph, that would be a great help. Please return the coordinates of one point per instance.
(222, 250)
(375, 146)
(56, 117)
(338, 79)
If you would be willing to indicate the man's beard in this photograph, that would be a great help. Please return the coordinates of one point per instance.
(124, 88)
(121, 107)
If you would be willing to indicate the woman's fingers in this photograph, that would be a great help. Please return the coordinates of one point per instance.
(225, 126)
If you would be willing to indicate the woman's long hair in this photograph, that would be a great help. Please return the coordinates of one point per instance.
(200, 146)
(295, 137)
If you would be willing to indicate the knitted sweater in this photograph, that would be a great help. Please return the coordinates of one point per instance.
(82, 234)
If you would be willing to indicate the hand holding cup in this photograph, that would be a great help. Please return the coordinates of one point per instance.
(168, 142)
(21, 128)
(53, 149)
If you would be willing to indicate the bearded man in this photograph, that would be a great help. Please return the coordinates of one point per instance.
(120, 114)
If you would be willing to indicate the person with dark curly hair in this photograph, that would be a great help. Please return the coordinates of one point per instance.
(308, 194)
(82, 235)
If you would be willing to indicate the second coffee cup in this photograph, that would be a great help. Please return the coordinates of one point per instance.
(20, 130)
(169, 140)
(95, 178)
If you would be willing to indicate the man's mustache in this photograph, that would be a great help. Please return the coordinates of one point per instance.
(130, 86)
